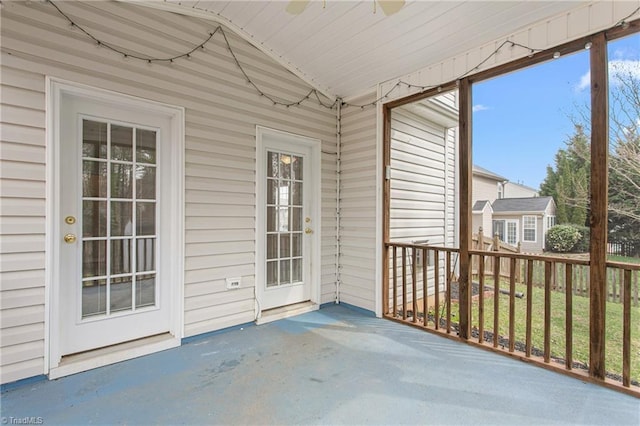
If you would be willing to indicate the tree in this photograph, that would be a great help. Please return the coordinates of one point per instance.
(624, 161)
(568, 182)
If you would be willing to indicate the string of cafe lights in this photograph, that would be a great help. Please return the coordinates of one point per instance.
(313, 92)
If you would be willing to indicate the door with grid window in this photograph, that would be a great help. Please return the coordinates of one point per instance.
(288, 225)
(112, 287)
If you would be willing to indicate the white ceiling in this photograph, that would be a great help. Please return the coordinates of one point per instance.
(345, 49)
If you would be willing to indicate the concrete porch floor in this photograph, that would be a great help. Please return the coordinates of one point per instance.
(333, 366)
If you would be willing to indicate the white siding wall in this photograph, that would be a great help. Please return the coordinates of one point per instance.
(423, 184)
(451, 188)
(483, 188)
(358, 206)
(417, 179)
(222, 111)
(514, 190)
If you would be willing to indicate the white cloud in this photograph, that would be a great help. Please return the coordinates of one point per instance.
(617, 68)
(585, 82)
(480, 107)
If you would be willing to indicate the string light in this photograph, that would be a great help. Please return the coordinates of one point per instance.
(313, 92)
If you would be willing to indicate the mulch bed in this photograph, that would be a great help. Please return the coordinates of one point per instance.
(475, 290)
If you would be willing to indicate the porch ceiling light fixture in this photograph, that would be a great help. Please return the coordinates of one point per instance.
(389, 7)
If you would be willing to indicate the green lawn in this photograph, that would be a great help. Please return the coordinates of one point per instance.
(616, 258)
(558, 340)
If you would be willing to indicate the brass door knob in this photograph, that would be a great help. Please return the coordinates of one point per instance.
(69, 238)
(308, 231)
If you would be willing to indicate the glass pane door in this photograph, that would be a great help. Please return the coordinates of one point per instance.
(284, 219)
(119, 218)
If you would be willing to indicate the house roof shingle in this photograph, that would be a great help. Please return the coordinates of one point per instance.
(479, 205)
(481, 171)
(530, 204)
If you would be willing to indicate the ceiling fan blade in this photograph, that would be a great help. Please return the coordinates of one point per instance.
(389, 7)
(296, 7)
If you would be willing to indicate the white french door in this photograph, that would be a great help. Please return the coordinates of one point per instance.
(288, 220)
(115, 279)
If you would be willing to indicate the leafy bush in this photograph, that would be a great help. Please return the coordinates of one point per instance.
(562, 238)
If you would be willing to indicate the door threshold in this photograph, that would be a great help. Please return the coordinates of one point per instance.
(282, 312)
(83, 361)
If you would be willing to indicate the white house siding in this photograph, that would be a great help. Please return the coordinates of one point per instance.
(515, 190)
(417, 179)
(423, 183)
(484, 188)
(358, 206)
(222, 111)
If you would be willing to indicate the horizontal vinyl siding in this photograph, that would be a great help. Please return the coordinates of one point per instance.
(222, 112)
(418, 188)
(423, 186)
(358, 206)
(483, 188)
(22, 229)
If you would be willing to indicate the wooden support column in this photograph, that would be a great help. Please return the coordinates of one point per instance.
(465, 166)
(599, 201)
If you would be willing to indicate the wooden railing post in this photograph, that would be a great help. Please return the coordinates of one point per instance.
(598, 205)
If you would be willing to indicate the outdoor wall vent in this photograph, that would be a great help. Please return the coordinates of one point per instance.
(233, 283)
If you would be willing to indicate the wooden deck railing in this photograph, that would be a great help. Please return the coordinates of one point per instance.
(545, 323)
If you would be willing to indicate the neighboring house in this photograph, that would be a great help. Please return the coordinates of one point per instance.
(149, 201)
(482, 215)
(524, 221)
(512, 210)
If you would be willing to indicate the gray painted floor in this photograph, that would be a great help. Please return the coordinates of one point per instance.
(333, 366)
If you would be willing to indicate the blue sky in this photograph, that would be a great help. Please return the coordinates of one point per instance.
(520, 120)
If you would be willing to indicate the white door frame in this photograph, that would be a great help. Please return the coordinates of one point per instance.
(56, 89)
(314, 187)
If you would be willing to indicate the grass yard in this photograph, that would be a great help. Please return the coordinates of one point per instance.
(616, 258)
(558, 338)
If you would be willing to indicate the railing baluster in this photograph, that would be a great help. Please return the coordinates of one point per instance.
(626, 329)
(395, 282)
(404, 283)
(540, 271)
(448, 292)
(425, 288)
(547, 311)
(529, 307)
(496, 300)
(414, 284)
(480, 298)
(436, 288)
(568, 316)
(512, 304)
